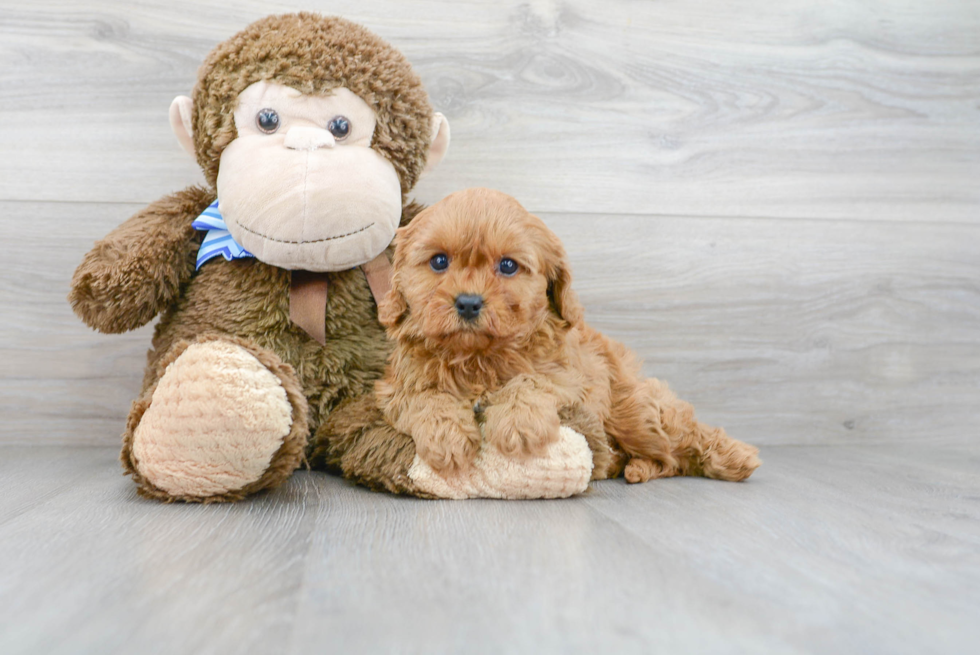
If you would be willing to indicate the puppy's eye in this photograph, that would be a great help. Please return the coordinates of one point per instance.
(267, 120)
(339, 126)
(507, 266)
(439, 263)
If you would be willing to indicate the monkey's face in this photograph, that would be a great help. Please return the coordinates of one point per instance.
(300, 187)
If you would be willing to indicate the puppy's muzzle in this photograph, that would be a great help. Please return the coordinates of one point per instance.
(468, 306)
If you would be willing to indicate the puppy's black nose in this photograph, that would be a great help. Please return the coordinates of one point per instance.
(468, 306)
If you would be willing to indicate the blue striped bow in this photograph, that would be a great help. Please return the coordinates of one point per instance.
(218, 240)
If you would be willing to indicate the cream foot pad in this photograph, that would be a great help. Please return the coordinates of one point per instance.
(216, 419)
(564, 472)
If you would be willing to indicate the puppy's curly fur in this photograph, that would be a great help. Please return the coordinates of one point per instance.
(526, 359)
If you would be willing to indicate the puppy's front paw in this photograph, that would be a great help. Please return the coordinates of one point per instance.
(522, 429)
(447, 446)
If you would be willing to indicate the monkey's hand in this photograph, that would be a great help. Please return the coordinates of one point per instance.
(138, 269)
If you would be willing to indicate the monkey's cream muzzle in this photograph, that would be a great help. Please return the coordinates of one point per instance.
(300, 198)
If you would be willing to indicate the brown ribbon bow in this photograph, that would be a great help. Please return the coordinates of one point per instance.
(308, 295)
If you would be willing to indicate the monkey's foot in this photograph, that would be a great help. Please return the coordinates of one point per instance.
(220, 424)
(563, 471)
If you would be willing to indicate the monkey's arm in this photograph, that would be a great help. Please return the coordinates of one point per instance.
(359, 442)
(138, 269)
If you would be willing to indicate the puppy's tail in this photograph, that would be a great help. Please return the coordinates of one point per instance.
(664, 438)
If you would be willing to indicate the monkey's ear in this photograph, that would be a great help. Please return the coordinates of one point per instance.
(181, 110)
(440, 141)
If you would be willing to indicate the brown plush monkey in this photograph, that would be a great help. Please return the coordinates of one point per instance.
(310, 132)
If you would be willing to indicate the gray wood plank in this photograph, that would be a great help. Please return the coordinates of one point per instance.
(782, 331)
(29, 479)
(97, 570)
(842, 549)
(492, 577)
(844, 529)
(828, 110)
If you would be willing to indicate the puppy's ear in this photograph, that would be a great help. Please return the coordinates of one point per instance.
(563, 298)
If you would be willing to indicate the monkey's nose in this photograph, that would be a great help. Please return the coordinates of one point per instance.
(468, 306)
(308, 138)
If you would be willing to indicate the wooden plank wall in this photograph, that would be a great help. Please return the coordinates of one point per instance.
(776, 204)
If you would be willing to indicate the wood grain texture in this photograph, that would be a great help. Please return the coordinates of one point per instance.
(821, 110)
(785, 332)
(825, 550)
(692, 158)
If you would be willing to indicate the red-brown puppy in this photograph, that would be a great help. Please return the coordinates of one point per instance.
(488, 330)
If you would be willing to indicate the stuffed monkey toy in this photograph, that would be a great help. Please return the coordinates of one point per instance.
(310, 131)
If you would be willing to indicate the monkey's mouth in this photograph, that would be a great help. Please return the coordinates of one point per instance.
(302, 242)
(331, 211)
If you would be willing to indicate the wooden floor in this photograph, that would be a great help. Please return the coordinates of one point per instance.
(843, 549)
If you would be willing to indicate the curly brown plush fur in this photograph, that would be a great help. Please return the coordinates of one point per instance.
(356, 442)
(146, 266)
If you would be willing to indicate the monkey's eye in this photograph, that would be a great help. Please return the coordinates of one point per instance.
(439, 262)
(339, 126)
(267, 120)
(507, 267)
